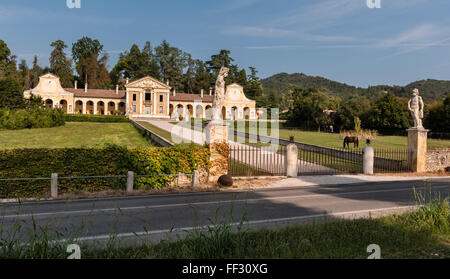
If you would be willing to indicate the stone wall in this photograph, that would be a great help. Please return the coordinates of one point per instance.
(438, 159)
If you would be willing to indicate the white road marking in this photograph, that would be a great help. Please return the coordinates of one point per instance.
(256, 222)
(104, 210)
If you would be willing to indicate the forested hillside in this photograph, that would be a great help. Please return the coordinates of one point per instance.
(431, 90)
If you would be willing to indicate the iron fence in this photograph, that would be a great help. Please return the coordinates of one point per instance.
(329, 161)
(246, 160)
(391, 160)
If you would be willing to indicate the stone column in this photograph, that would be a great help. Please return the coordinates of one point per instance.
(292, 160)
(95, 107)
(217, 139)
(84, 107)
(368, 160)
(417, 149)
(141, 103)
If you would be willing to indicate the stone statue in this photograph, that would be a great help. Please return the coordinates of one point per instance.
(416, 105)
(219, 95)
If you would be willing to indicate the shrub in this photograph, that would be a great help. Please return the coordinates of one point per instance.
(31, 118)
(109, 161)
(95, 118)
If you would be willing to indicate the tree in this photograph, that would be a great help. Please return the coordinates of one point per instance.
(387, 115)
(223, 59)
(60, 65)
(8, 66)
(309, 109)
(11, 94)
(89, 64)
(172, 62)
(438, 116)
(349, 109)
(36, 72)
(25, 73)
(253, 87)
(135, 64)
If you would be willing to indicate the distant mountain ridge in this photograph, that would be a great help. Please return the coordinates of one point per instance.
(431, 89)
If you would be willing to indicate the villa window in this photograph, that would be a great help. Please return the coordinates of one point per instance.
(134, 108)
(161, 109)
(148, 95)
(134, 97)
(161, 98)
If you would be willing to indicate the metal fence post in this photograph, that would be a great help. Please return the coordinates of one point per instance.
(292, 160)
(130, 181)
(195, 179)
(368, 160)
(54, 185)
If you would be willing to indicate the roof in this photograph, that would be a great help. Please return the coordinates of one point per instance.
(97, 93)
(184, 97)
(148, 81)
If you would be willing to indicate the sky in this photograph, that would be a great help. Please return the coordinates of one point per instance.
(344, 40)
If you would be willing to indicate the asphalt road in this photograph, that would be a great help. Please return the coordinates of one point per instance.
(161, 216)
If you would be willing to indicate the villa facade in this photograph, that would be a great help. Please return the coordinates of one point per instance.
(146, 97)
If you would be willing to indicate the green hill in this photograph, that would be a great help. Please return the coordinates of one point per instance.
(431, 90)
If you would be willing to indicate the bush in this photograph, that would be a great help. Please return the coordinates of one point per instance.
(32, 118)
(95, 118)
(108, 161)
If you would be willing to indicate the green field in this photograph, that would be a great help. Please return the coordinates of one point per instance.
(74, 135)
(334, 140)
(161, 132)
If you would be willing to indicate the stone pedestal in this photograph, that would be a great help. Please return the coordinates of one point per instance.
(217, 139)
(368, 160)
(292, 160)
(417, 149)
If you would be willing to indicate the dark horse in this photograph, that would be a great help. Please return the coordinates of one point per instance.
(353, 140)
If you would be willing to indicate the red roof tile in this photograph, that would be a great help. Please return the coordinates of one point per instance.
(97, 93)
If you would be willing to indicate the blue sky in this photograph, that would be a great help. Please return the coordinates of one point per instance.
(344, 40)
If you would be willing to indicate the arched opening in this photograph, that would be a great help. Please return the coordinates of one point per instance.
(247, 113)
(63, 105)
(190, 108)
(49, 103)
(199, 111)
(111, 108)
(90, 107)
(100, 108)
(122, 108)
(171, 110)
(208, 112)
(234, 113)
(79, 107)
(180, 111)
(224, 113)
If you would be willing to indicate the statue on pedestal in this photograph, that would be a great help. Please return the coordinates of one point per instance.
(219, 96)
(416, 106)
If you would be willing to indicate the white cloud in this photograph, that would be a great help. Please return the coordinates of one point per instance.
(269, 32)
(322, 12)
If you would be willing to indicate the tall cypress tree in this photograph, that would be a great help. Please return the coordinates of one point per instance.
(60, 65)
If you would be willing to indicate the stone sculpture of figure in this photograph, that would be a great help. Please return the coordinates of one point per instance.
(219, 95)
(415, 105)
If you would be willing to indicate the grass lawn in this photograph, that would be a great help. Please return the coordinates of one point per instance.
(74, 135)
(161, 132)
(334, 140)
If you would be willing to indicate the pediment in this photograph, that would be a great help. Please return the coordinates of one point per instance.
(148, 82)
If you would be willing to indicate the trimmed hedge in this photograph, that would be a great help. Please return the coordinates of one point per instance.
(32, 118)
(95, 118)
(108, 161)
